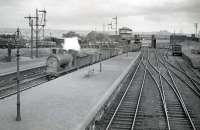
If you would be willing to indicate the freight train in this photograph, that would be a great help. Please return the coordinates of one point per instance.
(61, 62)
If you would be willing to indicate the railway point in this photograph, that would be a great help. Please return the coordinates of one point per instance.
(69, 102)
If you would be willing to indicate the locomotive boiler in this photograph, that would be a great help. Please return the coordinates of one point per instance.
(58, 63)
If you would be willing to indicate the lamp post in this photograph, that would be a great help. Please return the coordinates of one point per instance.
(100, 56)
(100, 48)
(38, 21)
(115, 18)
(127, 51)
(18, 118)
(37, 32)
(31, 22)
(196, 28)
(31, 25)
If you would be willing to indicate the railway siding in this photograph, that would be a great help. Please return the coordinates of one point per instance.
(165, 93)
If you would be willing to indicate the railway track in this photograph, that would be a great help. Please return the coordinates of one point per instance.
(30, 83)
(132, 112)
(189, 95)
(152, 112)
(188, 72)
(29, 78)
(122, 116)
(187, 68)
(153, 99)
(182, 75)
(179, 116)
(11, 78)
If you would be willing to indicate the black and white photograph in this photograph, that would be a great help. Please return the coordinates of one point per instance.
(100, 65)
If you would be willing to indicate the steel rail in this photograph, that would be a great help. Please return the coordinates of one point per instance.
(195, 73)
(194, 90)
(182, 71)
(176, 93)
(179, 70)
(10, 79)
(25, 88)
(139, 98)
(162, 95)
(174, 86)
(191, 79)
(23, 71)
(22, 82)
(179, 77)
(162, 90)
(129, 85)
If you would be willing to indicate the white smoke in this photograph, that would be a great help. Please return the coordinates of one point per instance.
(71, 43)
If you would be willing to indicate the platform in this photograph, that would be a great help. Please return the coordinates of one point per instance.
(10, 67)
(68, 102)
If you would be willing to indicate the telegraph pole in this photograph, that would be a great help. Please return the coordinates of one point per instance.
(110, 25)
(50, 38)
(32, 38)
(31, 25)
(36, 24)
(18, 118)
(196, 27)
(43, 32)
(104, 28)
(100, 64)
(115, 18)
(44, 23)
(36, 32)
(100, 56)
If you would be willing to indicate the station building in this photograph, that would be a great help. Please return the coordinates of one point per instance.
(125, 33)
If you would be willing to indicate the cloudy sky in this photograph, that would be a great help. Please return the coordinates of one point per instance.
(140, 15)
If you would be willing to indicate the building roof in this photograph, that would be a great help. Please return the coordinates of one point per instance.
(125, 28)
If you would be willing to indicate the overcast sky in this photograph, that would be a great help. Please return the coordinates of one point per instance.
(140, 15)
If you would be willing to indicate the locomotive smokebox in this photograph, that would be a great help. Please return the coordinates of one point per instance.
(58, 63)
